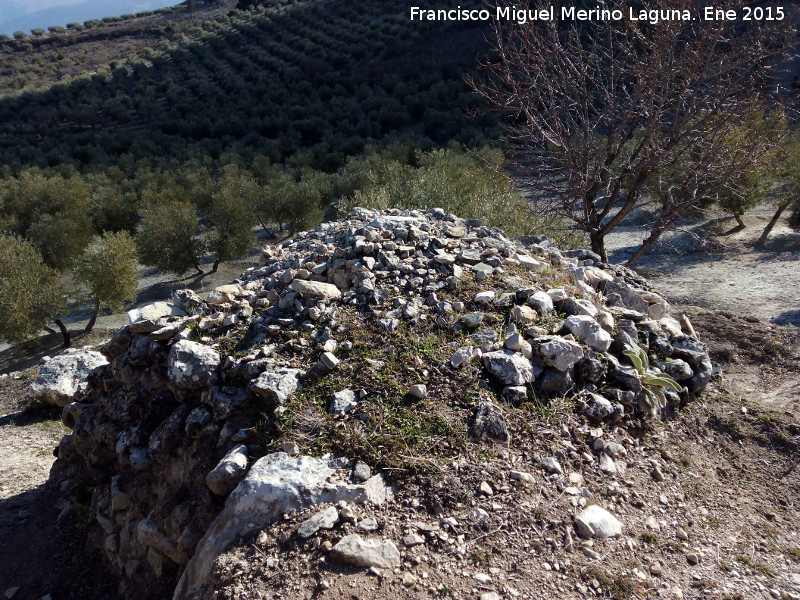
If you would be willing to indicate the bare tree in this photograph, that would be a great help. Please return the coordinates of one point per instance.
(613, 112)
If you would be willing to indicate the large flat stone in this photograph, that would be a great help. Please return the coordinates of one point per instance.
(316, 289)
(275, 485)
(355, 550)
(157, 310)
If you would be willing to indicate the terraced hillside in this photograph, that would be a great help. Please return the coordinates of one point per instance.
(316, 76)
(35, 61)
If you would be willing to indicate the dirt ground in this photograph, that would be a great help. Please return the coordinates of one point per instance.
(728, 499)
(731, 478)
(717, 522)
(710, 262)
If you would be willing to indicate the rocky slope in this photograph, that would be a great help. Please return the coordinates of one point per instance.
(374, 378)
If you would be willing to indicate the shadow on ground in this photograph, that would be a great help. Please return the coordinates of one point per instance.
(35, 413)
(43, 549)
(30, 353)
(790, 317)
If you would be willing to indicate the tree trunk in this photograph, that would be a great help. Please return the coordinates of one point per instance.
(216, 265)
(738, 217)
(651, 239)
(598, 240)
(768, 229)
(93, 318)
(64, 332)
(197, 266)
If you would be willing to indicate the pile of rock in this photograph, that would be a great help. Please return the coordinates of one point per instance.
(163, 433)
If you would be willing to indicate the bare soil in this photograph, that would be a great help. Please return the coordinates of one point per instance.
(35, 552)
(730, 486)
(709, 261)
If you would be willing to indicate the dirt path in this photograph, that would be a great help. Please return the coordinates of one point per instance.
(710, 263)
(27, 514)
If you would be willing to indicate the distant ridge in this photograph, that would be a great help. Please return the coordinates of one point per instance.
(75, 12)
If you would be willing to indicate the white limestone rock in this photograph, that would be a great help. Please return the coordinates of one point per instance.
(589, 331)
(523, 315)
(595, 521)
(62, 379)
(224, 294)
(192, 365)
(355, 550)
(462, 356)
(316, 289)
(557, 352)
(229, 471)
(324, 519)
(155, 311)
(511, 368)
(276, 386)
(541, 302)
(343, 402)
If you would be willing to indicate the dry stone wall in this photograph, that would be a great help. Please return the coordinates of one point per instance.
(164, 434)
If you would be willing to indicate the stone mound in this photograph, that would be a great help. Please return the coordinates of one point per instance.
(380, 318)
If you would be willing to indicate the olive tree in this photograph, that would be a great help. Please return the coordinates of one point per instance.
(51, 211)
(167, 236)
(113, 201)
(232, 214)
(293, 200)
(108, 268)
(786, 190)
(30, 292)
